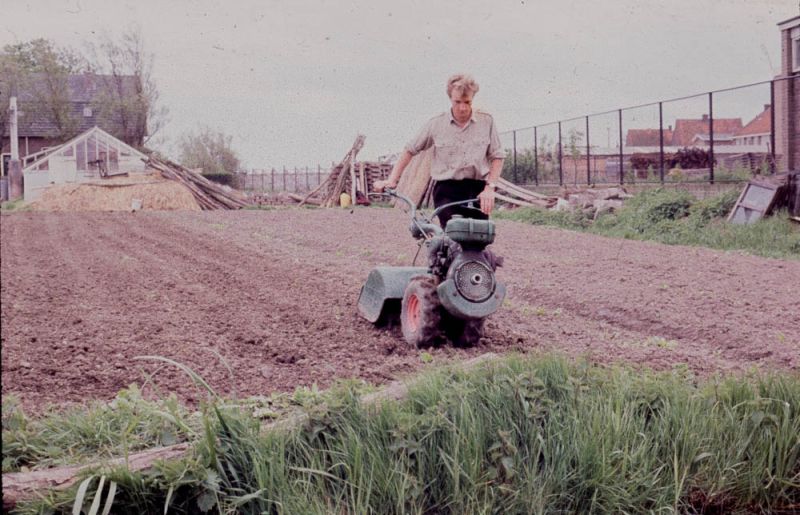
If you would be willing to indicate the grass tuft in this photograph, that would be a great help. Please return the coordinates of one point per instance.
(522, 435)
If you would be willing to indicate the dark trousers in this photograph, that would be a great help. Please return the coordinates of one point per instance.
(445, 192)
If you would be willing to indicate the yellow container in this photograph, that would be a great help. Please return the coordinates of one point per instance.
(345, 200)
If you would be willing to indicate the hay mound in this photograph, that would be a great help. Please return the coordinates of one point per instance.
(118, 194)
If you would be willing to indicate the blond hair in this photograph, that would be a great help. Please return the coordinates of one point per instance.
(461, 83)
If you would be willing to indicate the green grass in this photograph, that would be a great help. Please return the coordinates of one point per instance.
(523, 435)
(127, 424)
(16, 205)
(675, 218)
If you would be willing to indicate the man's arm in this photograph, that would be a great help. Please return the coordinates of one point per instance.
(487, 195)
(397, 172)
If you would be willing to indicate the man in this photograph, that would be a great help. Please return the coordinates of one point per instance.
(467, 156)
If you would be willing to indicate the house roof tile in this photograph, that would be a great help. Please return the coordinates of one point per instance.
(761, 124)
(85, 91)
(687, 129)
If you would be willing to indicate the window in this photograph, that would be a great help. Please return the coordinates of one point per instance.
(796, 54)
(80, 151)
(794, 48)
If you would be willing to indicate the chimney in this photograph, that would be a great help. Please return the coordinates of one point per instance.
(705, 117)
(669, 127)
(766, 106)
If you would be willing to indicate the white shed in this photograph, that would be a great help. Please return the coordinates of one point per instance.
(91, 156)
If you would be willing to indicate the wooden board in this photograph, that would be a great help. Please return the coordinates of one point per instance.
(414, 181)
(754, 203)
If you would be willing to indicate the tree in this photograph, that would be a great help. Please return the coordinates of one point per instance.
(209, 150)
(574, 139)
(40, 70)
(129, 95)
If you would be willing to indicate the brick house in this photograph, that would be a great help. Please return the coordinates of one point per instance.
(37, 127)
(757, 131)
(647, 137)
(690, 133)
(787, 97)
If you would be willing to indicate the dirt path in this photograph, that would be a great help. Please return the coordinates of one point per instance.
(273, 293)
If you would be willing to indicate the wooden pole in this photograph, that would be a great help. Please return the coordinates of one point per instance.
(352, 182)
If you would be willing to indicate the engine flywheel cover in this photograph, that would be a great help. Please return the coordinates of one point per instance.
(474, 280)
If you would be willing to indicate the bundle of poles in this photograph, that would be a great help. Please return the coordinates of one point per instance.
(209, 195)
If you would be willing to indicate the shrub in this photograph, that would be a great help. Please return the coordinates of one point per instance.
(691, 158)
(226, 179)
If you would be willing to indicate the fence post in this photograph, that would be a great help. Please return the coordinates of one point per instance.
(272, 180)
(711, 137)
(661, 142)
(772, 126)
(535, 156)
(284, 178)
(621, 168)
(560, 161)
(514, 133)
(588, 155)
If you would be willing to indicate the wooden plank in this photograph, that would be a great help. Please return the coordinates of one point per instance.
(736, 205)
(414, 181)
(522, 203)
(513, 188)
(18, 486)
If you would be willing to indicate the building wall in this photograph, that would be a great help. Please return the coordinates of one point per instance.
(787, 104)
(29, 145)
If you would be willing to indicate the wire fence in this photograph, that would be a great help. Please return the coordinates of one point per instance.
(293, 180)
(720, 136)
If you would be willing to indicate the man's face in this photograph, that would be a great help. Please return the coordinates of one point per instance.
(461, 105)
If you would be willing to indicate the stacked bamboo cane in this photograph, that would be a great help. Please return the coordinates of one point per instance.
(208, 195)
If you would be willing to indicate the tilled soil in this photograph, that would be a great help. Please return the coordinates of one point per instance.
(263, 301)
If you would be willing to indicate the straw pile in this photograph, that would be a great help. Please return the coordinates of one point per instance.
(146, 192)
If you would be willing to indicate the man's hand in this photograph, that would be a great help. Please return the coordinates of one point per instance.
(379, 186)
(487, 200)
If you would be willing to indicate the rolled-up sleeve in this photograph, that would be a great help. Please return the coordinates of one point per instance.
(495, 150)
(423, 140)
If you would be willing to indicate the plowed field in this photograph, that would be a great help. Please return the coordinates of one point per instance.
(273, 293)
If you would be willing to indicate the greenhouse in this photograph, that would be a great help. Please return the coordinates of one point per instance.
(91, 156)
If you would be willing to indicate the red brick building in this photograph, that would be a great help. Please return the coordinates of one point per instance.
(758, 131)
(787, 97)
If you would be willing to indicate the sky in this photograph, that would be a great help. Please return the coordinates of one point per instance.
(294, 82)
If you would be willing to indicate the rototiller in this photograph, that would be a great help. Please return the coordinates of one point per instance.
(453, 295)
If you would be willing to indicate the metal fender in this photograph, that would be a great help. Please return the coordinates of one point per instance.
(385, 283)
(460, 307)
